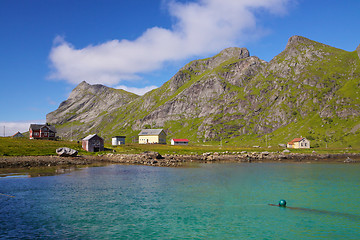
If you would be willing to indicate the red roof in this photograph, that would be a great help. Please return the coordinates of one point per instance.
(180, 140)
(295, 140)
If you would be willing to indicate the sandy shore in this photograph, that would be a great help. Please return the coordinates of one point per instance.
(155, 159)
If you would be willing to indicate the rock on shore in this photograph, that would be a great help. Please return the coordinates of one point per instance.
(66, 152)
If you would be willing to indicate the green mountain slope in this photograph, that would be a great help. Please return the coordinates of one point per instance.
(310, 89)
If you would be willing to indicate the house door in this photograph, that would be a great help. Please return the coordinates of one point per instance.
(96, 149)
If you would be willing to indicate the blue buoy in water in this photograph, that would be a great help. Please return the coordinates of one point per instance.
(282, 203)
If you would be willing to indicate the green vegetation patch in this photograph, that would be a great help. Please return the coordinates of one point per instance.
(32, 147)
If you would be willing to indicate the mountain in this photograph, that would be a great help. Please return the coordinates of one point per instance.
(87, 104)
(310, 89)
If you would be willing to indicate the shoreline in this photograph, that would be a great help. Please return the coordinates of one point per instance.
(155, 159)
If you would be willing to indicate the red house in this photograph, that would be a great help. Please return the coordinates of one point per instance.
(42, 131)
(93, 143)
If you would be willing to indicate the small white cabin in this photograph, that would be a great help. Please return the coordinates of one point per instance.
(118, 140)
(179, 141)
(299, 143)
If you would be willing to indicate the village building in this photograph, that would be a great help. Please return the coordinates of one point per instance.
(118, 140)
(179, 141)
(299, 143)
(42, 131)
(17, 135)
(152, 136)
(93, 143)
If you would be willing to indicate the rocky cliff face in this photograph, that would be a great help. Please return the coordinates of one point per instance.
(231, 96)
(87, 104)
(205, 91)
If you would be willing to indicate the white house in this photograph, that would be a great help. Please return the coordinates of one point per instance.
(149, 136)
(299, 143)
(118, 140)
(179, 141)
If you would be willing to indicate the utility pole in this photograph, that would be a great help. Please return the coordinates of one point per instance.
(71, 132)
(266, 140)
(4, 130)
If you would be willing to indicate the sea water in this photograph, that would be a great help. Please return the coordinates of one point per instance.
(210, 201)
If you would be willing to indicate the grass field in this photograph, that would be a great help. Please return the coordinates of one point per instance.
(27, 147)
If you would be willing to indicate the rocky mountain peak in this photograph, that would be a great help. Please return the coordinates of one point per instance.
(296, 40)
(234, 52)
(84, 87)
(79, 89)
(83, 84)
(298, 54)
(90, 100)
(296, 44)
(199, 66)
(224, 55)
(227, 54)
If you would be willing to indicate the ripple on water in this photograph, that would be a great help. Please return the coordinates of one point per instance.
(218, 201)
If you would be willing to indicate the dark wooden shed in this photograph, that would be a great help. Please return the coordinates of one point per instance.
(93, 143)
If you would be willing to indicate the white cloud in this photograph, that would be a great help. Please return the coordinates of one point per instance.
(138, 91)
(201, 27)
(10, 128)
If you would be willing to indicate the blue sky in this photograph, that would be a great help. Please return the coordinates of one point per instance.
(48, 47)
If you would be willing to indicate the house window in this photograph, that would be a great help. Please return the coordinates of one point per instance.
(36, 133)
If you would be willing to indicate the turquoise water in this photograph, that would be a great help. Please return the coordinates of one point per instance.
(214, 201)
